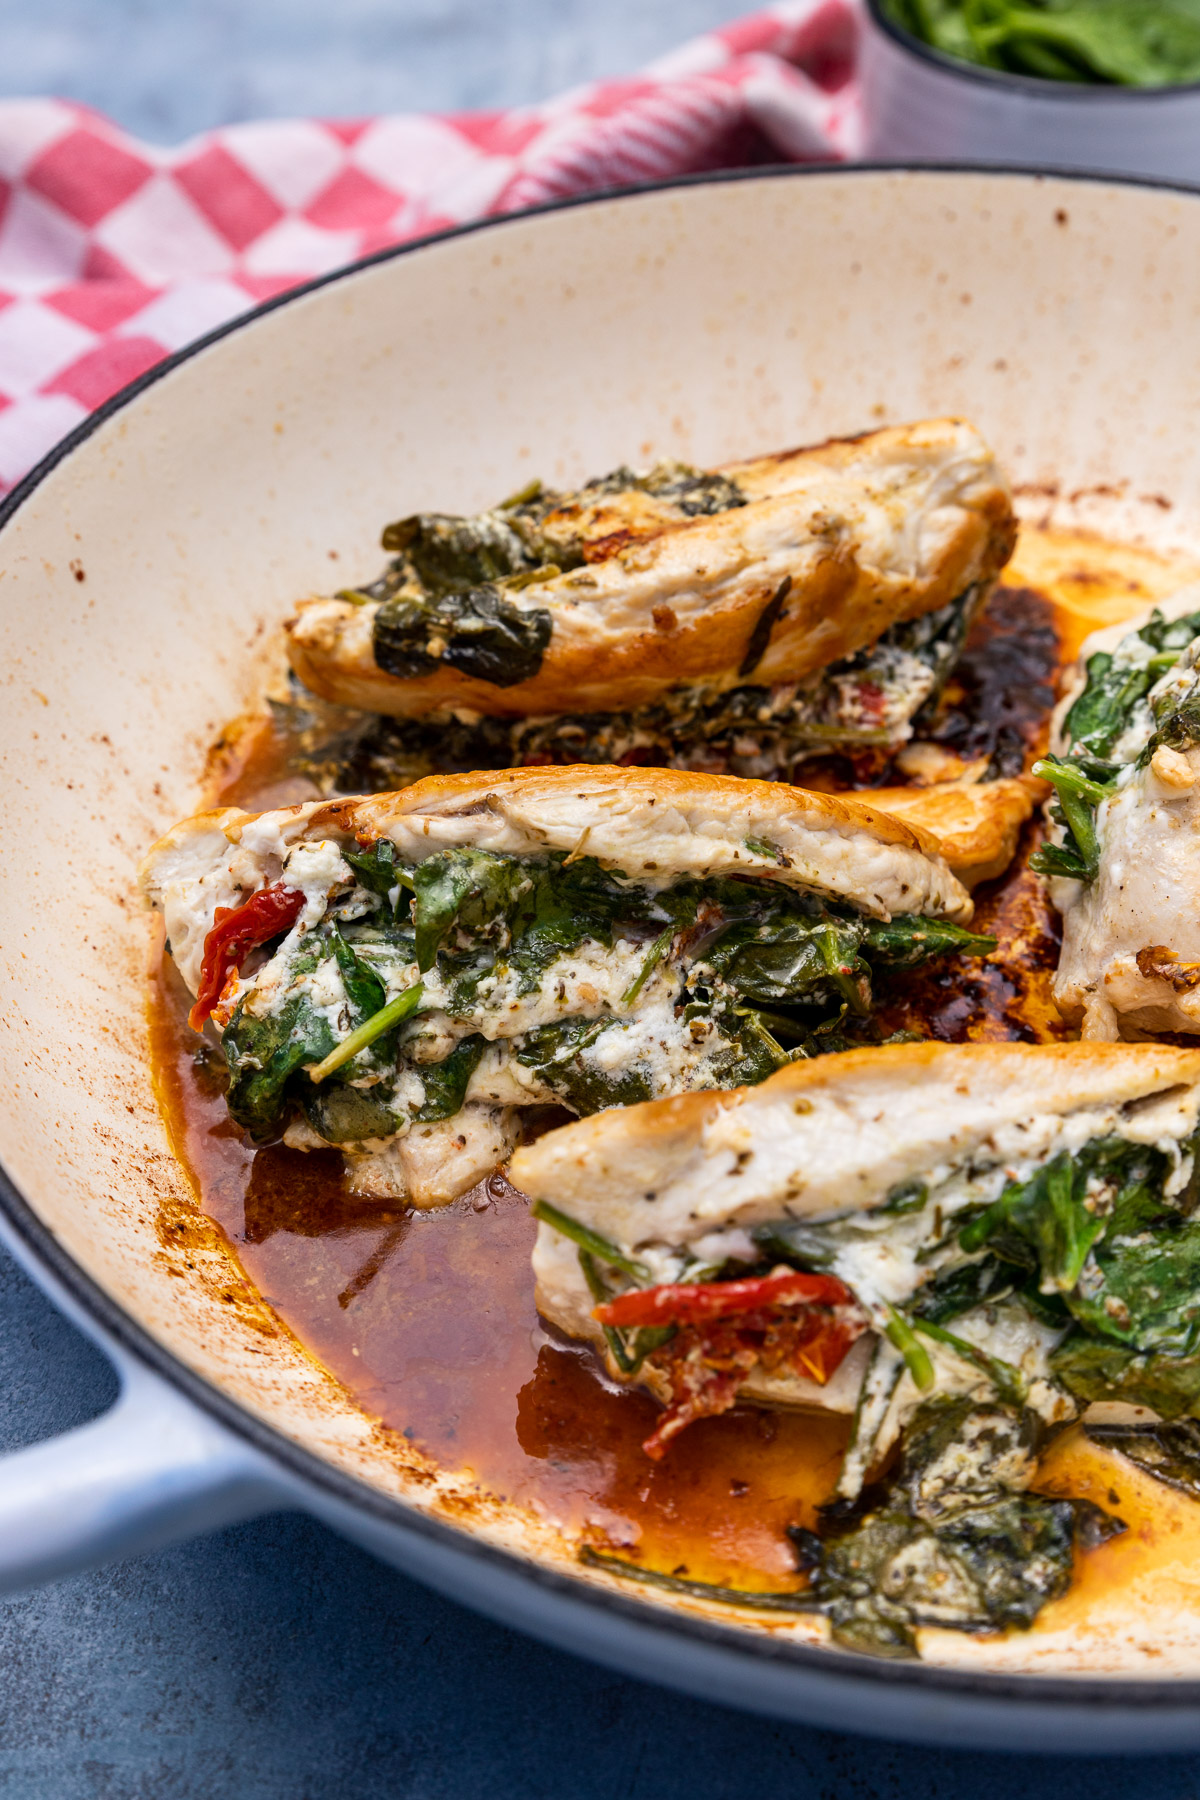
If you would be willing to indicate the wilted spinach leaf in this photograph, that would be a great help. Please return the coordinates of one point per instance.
(554, 1052)
(1094, 1228)
(1116, 683)
(364, 990)
(264, 1053)
(446, 1082)
(909, 939)
(1042, 1223)
(953, 1292)
(788, 955)
(1098, 1369)
(468, 890)
(478, 632)
(342, 1114)
(695, 492)
(449, 553)
(376, 868)
(952, 1539)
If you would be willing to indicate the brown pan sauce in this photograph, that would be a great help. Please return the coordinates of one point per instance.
(428, 1319)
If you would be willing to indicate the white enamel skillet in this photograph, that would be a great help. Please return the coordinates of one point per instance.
(143, 569)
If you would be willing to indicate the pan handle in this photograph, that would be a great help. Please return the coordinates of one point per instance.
(149, 1472)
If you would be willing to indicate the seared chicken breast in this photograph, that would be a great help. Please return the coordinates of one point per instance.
(912, 1186)
(819, 596)
(963, 1246)
(406, 975)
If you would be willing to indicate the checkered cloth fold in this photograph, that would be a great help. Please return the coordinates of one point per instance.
(114, 253)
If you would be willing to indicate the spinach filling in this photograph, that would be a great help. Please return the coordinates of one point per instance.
(756, 973)
(1090, 1262)
(1114, 727)
(1090, 1246)
(446, 596)
(868, 701)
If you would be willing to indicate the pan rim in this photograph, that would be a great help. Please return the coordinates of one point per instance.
(1045, 1693)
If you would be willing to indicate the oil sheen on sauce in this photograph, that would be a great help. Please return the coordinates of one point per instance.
(428, 1319)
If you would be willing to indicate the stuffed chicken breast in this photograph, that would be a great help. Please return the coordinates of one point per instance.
(405, 976)
(962, 1246)
(815, 597)
(1124, 862)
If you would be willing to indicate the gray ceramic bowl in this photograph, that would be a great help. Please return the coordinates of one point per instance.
(144, 569)
(921, 105)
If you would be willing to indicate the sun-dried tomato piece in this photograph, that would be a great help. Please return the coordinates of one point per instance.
(684, 1303)
(235, 931)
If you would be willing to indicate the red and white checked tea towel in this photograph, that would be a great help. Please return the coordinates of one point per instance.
(114, 253)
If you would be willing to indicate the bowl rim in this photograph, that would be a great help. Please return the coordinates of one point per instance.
(1045, 1693)
(1030, 87)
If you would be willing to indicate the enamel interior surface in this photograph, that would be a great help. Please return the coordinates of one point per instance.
(141, 585)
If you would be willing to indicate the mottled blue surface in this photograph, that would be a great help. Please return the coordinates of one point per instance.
(274, 1662)
(165, 68)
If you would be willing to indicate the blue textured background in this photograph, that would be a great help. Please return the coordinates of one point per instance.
(273, 1662)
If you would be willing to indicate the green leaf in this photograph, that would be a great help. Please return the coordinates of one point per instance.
(910, 939)
(696, 492)
(955, 1291)
(364, 990)
(446, 1082)
(1045, 1213)
(342, 1114)
(263, 1054)
(1103, 1209)
(467, 890)
(555, 1053)
(949, 1543)
(1097, 1369)
(377, 869)
(1103, 710)
(449, 554)
(1116, 684)
(786, 956)
(567, 904)
(478, 632)
(1149, 1292)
